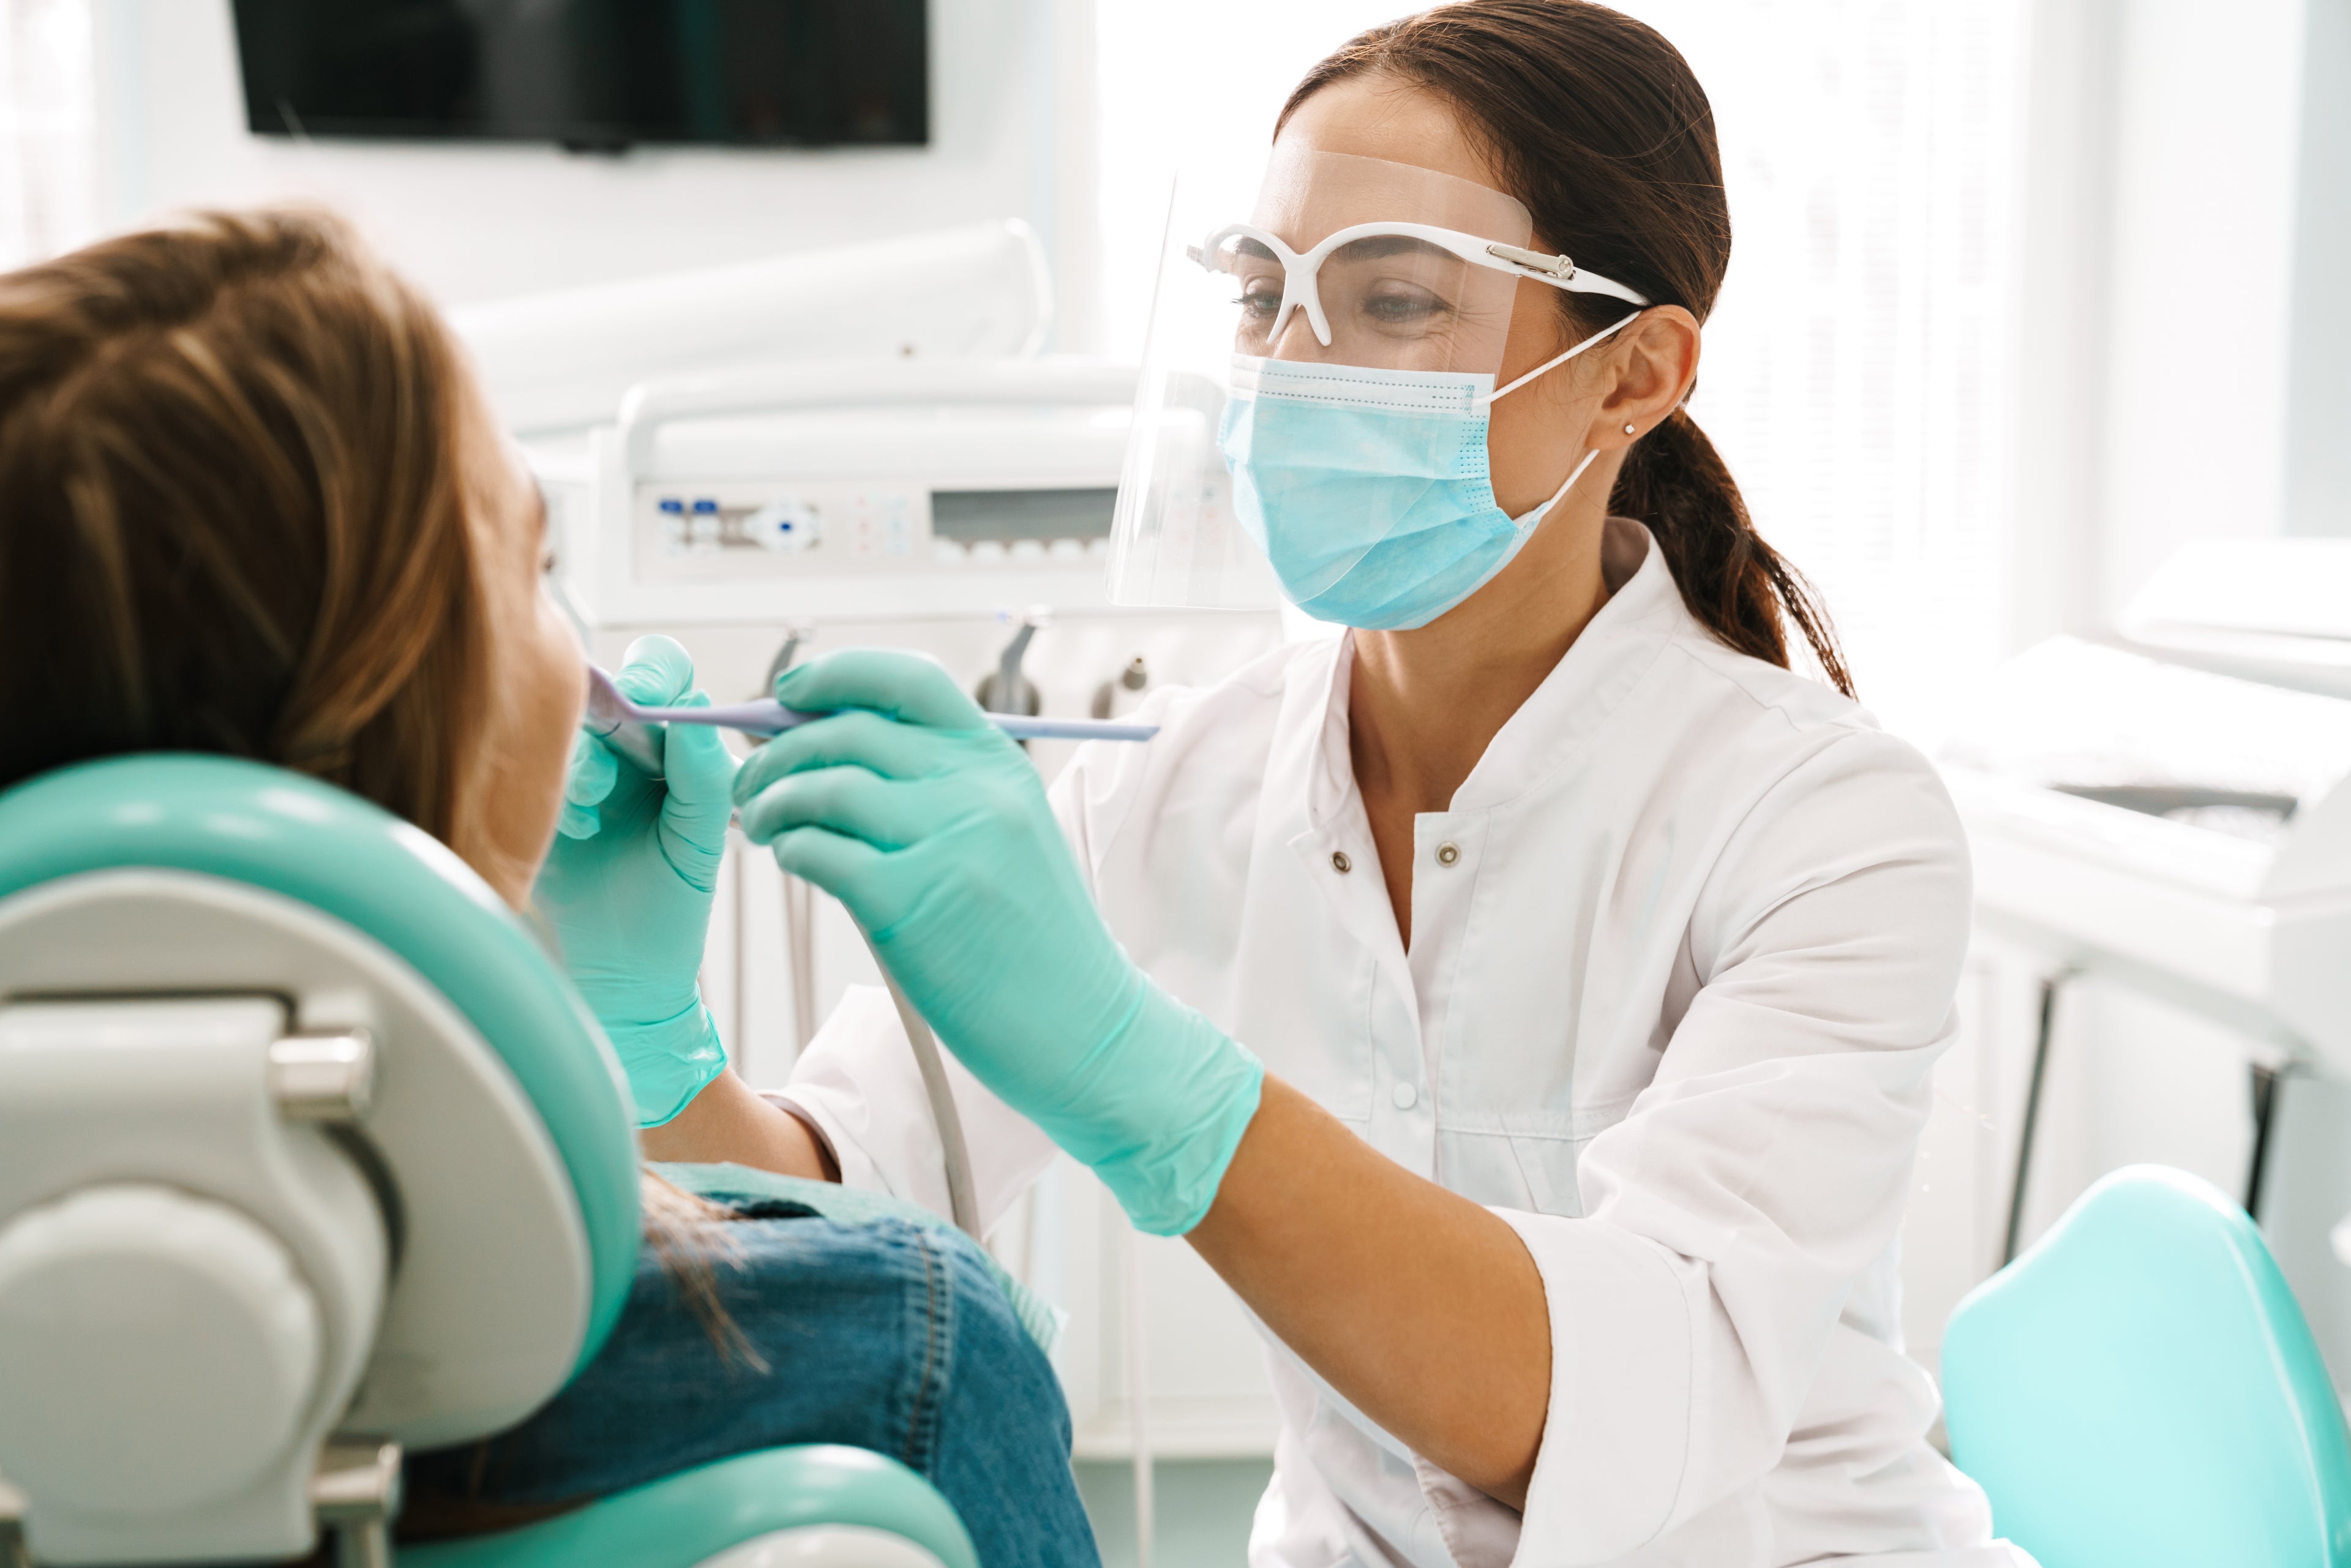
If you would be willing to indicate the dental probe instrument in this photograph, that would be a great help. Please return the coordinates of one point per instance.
(630, 728)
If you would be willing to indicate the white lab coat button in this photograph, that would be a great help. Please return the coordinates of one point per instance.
(1447, 854)
(1340, 862)
(1407, 1096)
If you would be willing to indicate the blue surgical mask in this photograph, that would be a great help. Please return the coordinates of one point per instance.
(1368, 488)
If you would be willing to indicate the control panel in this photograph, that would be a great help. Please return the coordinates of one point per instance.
(804, 529)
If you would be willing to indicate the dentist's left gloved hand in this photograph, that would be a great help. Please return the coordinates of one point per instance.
(627, 888)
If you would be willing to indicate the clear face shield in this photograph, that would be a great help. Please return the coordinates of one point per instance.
(1356, 322)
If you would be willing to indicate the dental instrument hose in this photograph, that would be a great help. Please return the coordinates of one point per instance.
(962, 1204)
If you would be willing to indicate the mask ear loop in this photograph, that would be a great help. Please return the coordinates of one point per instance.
(1551, 365)
(1532, 518)
(1535, 517)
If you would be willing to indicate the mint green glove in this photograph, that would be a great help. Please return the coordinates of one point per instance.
(930, 825)
(627, 888)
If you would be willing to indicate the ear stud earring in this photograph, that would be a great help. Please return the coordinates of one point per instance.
(1628, 430)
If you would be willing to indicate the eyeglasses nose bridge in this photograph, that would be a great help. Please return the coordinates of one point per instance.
(1298, 291)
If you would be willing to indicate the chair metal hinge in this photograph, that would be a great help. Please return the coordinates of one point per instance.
(355, 1492)
(323, 1077)
(13, 1553)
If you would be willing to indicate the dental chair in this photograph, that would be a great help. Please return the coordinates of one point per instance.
(2141, 1390)
(307, 1154)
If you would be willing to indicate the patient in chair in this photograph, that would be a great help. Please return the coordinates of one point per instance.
(251, 502)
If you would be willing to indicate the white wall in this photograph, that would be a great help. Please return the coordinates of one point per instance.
(2183, 334)
(482, 221)
(2207, 132)
(1860, 367)
(2065, 213)
(2186, 343)
(46, 124)
(2318, 430)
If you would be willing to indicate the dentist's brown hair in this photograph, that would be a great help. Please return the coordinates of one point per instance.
(1598, 126)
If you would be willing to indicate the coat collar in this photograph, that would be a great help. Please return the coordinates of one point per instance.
(1607, 659)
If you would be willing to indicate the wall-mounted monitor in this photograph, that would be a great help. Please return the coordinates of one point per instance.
(599, 75)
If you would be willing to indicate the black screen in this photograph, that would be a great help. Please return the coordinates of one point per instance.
(590, 73)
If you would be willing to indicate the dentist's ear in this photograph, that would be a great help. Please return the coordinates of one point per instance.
(1654, 364)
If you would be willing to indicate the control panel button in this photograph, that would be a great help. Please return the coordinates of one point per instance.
(786, 526)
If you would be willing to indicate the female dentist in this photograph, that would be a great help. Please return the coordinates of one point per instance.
(1526, 1002)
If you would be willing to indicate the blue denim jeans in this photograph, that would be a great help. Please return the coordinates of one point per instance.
(880, 1333)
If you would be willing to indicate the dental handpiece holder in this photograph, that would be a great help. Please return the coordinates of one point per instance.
(1005, 690)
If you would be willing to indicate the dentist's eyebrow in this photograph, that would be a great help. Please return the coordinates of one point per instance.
(1371, 248)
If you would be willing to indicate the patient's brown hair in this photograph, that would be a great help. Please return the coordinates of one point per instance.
(232, 516)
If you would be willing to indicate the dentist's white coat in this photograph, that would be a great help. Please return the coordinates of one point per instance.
(1684, 953)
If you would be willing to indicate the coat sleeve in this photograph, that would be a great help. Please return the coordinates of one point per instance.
(858, 1084)
(1729, 1215)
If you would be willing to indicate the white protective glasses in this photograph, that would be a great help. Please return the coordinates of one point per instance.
(1229, 248)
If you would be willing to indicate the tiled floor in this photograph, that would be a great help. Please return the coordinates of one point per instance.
(1201, 1509)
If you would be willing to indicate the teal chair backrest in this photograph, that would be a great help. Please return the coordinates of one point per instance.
(294, 836)
(2140, 1390)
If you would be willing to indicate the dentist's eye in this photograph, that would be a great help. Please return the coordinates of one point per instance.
(1403, 305)
(1261, 299)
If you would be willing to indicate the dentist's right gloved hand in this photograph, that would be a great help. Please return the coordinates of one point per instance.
(931, 825)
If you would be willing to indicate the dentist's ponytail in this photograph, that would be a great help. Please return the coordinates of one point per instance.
(1739, 586)
(1598, 126)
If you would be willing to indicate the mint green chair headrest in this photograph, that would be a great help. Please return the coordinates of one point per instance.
(2140, 1389)
(294, 836)
(689, 1517)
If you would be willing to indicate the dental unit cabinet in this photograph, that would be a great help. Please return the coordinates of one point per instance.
(854, 490)
(2169, 810)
